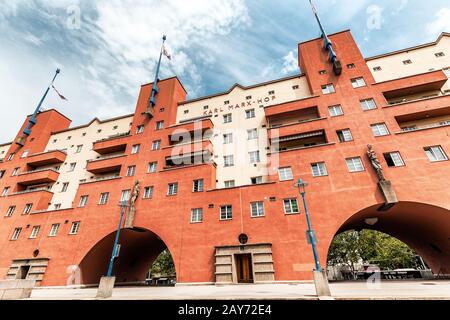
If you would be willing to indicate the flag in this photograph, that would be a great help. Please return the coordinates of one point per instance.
(59, 94)
(166, 53)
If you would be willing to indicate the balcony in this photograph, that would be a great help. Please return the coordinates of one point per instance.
(299, 141)
(29, 191)
(116, 143)
(188, 159)
(424, 120)
(106, 164)
(191, 130)
(106, 177)
(46, 158)
(36, 177)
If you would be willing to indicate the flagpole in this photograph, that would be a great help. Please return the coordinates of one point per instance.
(328, 43)
(155, 83)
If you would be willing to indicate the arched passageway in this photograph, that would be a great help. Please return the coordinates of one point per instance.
(424, 228)
(139, 249)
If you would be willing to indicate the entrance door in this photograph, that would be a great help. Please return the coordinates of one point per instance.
(23, 272)
(244, 268)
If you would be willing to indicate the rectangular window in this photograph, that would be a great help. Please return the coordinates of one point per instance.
(336, 110)
(27, 208)
(319, 169)
(156, 145)
(377, 69)
(148, 192)
(65, 186)
(407, 62)
(439, 54)
(252, 134)
(257, 180)
(2, 173)
(15, 172)
(328, 88)
(54, 230)
(379, 129)
(16, 233)
(104, 197)
(25, 153)
(79, 148)
(152, 167)
(10, 211)
(344, 135)
(57, 206)
(173, 189)
(75, 227)
(139, 129)
(11, 156)
(250, 114)
(72, 167)
(227, 118)
(290, 206)
(368, 104)
(125, 196)
(226, 212)
(227, 138)
(135, 149)
(83, 201)
(257, 209)
(355, 164)
(159, 125)
(254, 157)
(196, 215)
(447, 72)
(229, 184)
(228, 161)
(197, 185)
(131, 170)
(5, 192)
(358, 83)
(285, 174)
(351, 66)
(436, 154)
(394, 159)
(35, 232)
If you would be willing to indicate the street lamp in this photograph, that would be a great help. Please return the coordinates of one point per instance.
(115, 252)
(320, 278)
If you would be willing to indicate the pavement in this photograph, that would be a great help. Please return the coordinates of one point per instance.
(384, 290)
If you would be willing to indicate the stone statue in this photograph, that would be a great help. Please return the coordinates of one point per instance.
(376, 164)
(135, 194)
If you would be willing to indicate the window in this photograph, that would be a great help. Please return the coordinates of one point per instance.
(226, 102)
(226, 212)
(405, 62)
(271, 93)
(125, 197)
(254, 157)
(79, 148)
(35, 232)
(336, 110)
(257, 209)
(64, 187)
(447, 72)
(15, 172)
(394, 159)
(436, 154)
(196, 215)
(57, 206)
(205, 107)
(25, 153)
(248, 98)
(227, 118)
(380, 129)
(2, 173)
(296, 87)
(197, 185)
(344, 135)
(139, 129)
(104, 197)
(10, 211)
(162, 110)
(131, 171)
(186, 111)
(321, 72)
(439, 54)
(148, 192)
(250, 113)
(5, 191)
(358, 83)
(328, 88)
(290, 206)
(229, 184)
(156, 145)
(173, 189)
(285, 174)
(72, 167)
(228, 138)
(83, 201)
(252, 134)
(257, 180)
(16, 233)
(75, 227)
(319, 169)
(27, 208)
(54, 230)
(368, 104)
(159, 125)
(99, 130)
(135, 149)
(152, 167)
(351, 66)
(115, 127)
(355, 164)
(228, 161)
(377, 69)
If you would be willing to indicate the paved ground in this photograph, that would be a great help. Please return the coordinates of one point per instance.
(343, 290)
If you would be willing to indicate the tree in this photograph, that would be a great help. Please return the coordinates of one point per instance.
(163, 265)
(344, 250)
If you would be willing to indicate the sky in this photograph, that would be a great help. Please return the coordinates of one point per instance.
(108, 48)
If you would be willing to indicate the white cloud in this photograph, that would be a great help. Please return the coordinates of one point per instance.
(290, 63)
(440, 24)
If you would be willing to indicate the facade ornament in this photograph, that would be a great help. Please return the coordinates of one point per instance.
(135, 194)
(376, 164)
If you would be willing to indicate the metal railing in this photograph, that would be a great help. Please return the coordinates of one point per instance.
(107, 157)
(38, 170)
(30, 191)
(427, 126)
(101, 179)
(115, 136)
(49, 151)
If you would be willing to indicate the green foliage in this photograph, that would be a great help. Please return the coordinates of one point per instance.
(163, 265)
(372, 247)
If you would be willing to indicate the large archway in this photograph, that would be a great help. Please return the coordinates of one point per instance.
(139, 249)
(424, 228)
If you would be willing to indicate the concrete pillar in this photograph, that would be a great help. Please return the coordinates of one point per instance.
(105, 288)
(321, 283)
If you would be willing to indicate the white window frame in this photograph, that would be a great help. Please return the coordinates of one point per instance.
(54, 230)
(396, 158)
(258, 180)
(380, 129)
(152, 167)
(27, 208)
(254, 157)
(65, 186)
(79, 148)
(227, 118)
(159, 125)
(228, 138)
(226, 212)
(104, 198)
(319, 169)
(250, 114)
(358, 82)
(228, 161)
(355, 164)
(5, 191)
(125, 195)
(197, 215)
(328, 88)
(131, 171)
(10, 211)
(285, 174)
(436, 154)
(135, 149)
(148, 192)
(336, 110)
(83, 201)
(35, 232)
(72, 167)
(257, 209)
(75, 227)
(198, 185)
(16, 234)
(252, 134)
(156, 145)
(288, 206)
(229, 184)
(140, 129)
(368, 104)
(346, 134)
(172, 189)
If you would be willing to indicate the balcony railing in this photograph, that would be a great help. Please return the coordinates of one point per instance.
(427, 126)
(112, 177)
(107, 157)
(29, 191)
(115, 136)
(38, 170)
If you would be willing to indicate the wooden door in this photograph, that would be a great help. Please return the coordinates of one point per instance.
(244, 268)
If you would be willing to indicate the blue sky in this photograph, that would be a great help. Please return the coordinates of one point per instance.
(108, 48)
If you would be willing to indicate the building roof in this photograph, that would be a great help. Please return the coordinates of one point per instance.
(94, 120)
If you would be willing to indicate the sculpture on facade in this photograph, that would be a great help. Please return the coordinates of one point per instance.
(376, 164)
(135, 194)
